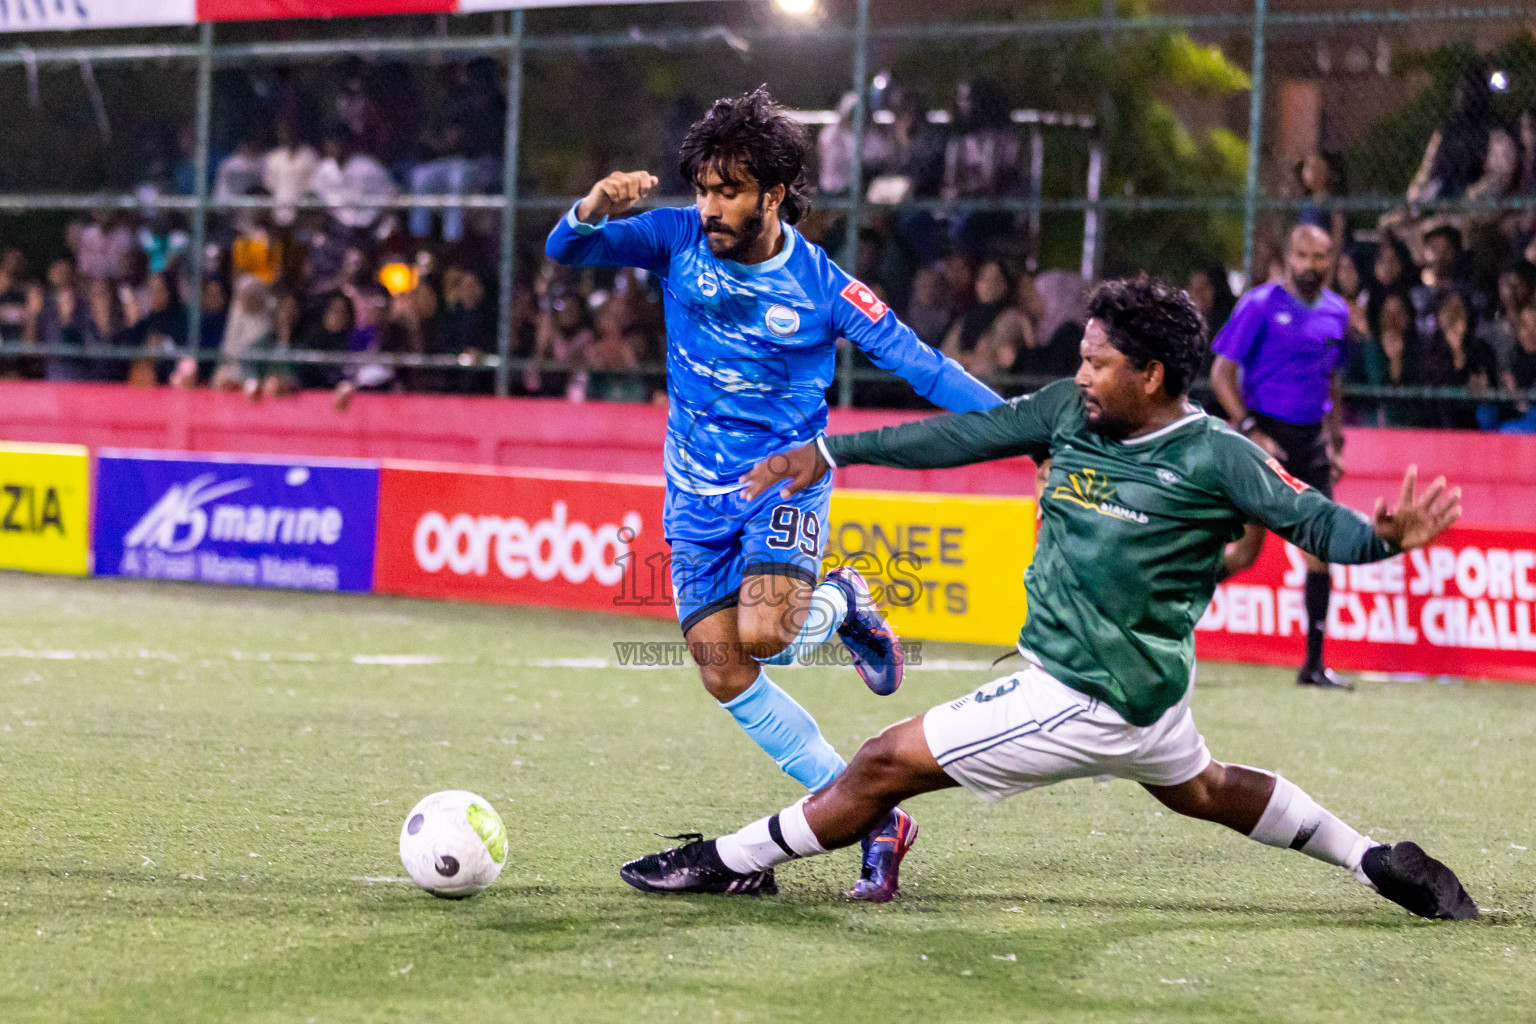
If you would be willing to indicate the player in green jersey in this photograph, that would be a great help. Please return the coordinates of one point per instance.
(1144, 492)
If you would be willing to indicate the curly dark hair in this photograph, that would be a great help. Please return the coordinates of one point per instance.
(751, 133)
(1148, 319)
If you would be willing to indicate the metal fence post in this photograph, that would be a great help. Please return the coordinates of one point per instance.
(200, 189)
(1093, 217)
(1255, 135)
(508, 265)
(856, 184)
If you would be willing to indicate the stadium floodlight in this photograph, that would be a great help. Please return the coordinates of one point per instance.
(799, 8)
(1498, 82)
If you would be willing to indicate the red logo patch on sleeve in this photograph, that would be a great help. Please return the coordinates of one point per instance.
(865, 301)
(1290, 481)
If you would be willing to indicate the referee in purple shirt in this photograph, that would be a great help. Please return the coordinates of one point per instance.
(1279, 362)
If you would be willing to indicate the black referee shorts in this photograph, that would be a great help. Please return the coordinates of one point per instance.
(1306, 454)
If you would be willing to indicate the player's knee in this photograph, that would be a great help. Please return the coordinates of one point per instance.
(881, 763)
(762, 639)
(726, 682)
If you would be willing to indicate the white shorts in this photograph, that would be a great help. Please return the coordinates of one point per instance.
(1029, 729)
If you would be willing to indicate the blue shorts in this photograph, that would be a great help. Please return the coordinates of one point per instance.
(719, 540)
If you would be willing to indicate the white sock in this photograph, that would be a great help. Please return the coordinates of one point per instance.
(1294, 821)
(769, 842)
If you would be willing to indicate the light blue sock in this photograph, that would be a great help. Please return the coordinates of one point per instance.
(829, 606)
(787, 732)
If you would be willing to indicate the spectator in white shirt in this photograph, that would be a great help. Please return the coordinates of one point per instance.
(290, 166)
(240, 173)
(346, 174)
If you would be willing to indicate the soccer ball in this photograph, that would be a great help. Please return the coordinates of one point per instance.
(453, 844)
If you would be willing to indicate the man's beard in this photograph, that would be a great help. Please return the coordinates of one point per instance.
(1105, 425)
(1309, 284)
(733, 245)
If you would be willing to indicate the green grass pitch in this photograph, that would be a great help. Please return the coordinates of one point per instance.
(201, 793)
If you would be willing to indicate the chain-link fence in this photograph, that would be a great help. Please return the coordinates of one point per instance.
(1085, 138)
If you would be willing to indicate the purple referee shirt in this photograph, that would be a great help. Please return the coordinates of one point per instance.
(1288, 351)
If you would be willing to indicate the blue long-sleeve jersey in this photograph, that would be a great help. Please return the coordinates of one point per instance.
(751, 348)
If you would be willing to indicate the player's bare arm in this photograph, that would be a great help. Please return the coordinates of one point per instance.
(618, 193)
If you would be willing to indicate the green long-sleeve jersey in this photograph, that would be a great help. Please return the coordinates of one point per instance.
(1132, 535)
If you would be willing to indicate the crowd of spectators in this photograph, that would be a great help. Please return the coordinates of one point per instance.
(1444, 300)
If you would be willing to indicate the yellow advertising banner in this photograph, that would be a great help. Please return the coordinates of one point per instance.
(942, 566)
(45, 502)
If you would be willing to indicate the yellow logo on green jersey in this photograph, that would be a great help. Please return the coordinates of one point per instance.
(1093, 492)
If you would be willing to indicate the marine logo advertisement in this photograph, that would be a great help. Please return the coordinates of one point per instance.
(250, 521)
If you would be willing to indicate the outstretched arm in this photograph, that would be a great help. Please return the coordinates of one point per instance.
(1023, 426)
(1261, 488)
(860, 316)
(584, 235)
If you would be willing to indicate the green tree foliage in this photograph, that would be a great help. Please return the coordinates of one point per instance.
(1147, 88)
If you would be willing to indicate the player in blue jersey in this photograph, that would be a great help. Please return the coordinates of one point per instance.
(754, 311)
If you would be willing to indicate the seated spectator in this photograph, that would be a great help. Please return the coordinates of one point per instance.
(959, 284)
(1391, 359)
(1211, 293)
(161, 327)
(331, 331)
(564, 335)
(415, 327)
(348, 174)
(991, 334)
(1391, 274)
(55, 315)
(370, 307)
(1350, 286)
(469, 322)
(929, 311)
(287, 171)
(1521, 375)
(1456, 358)
(1517, 287)
(277, 379)
(255, 250)
(1061, 301)
(101, 246)
(210, 336)
(248, 328)
(161, 241)
(240, 174)
(1445, 269)
(103, 327)
(612, 361)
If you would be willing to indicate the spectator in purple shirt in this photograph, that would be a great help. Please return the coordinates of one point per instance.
(1277, 373)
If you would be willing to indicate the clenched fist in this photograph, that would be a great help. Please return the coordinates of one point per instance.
(615, 194)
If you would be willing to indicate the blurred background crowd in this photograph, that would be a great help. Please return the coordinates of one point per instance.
(316, 247)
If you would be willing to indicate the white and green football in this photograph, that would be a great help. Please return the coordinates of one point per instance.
(453, 844)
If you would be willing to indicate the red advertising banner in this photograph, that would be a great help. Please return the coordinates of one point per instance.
(1464, 606)
(530, 537)
(256, 10)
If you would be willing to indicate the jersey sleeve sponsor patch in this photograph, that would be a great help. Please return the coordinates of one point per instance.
(1290, 481)
(865, 301)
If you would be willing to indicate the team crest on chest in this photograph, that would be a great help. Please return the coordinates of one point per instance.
(782, 320)
(708, 286)
(1090, 490)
